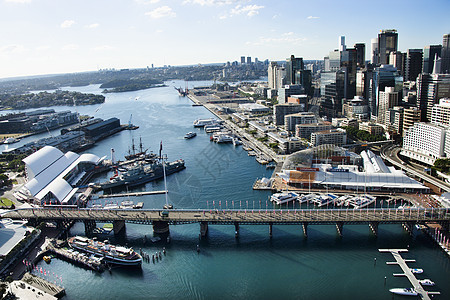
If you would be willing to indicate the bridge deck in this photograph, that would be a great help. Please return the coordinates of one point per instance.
(278, 216)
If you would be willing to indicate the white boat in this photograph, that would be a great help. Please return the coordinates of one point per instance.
(127, 204)
(221, 137)
(10, 140)
(190, 135)
(204, 122)
(111, 206)
(416, 271)
(404, 291)
(363, 201)
(280, 198)
(306, 198)
(236, 142)
(213, 128)
(426, 282)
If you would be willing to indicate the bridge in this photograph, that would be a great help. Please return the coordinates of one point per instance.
(161, 219)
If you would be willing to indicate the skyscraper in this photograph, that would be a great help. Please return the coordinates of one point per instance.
(294, 66)
(429, 56)
(413, 64)
(430, 89)
(445, 54)
(374, 50)
(383, 76)
(387, 42)
(242, 59)
(360, 54)
(387, 99)
(249, 60)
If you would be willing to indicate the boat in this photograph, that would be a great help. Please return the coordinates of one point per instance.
(426, 282)
(141, 173)
(142, 154)
(306, 198)
(127, 204)
(237, 142)
(110, 253)
(271, 165)
(111, 206)
(416, 271)
(280, 198)
(190, 135)
(10, 140)
(47, 259)
(204, 122)
(404, 291)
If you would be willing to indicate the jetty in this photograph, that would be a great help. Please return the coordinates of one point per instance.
(399, 260)
(138, 194)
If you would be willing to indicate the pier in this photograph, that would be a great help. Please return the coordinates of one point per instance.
(399, 260)
(161, 219)
(138, 194)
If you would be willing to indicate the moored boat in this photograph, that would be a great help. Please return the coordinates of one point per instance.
(426, 282)
(280, 198)
(110, 253)
(190, 135)
(416, 271)
(404, 291)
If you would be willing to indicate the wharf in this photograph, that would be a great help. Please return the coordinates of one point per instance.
(407, 272)
(44, 285)
(132, 194)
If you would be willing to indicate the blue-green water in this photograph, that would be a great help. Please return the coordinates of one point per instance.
(287, 266)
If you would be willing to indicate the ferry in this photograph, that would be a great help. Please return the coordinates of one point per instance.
(404, 292)
(204, 122)
(110, 253)
(280, 198)
(190, 135)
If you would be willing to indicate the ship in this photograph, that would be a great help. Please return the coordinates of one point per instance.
(140, 173)
(109, 253)
(142, 154)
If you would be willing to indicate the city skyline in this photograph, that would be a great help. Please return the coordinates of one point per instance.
(48, 37)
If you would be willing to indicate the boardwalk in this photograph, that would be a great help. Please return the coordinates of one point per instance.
(256, 216)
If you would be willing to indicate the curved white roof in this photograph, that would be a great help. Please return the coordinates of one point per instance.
(40, 160)
(89, 158)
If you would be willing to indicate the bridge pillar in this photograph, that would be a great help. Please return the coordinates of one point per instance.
(270, 229)
(305, 228)
(339, 227)
(236, 229)
(89, 226)
(203, 229)
(118, 226)
(374, 227)
(408, 226)
(160, 227)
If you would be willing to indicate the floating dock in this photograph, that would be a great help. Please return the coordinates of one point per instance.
(407, 272)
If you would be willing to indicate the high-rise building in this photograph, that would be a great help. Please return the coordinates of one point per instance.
(272, 75)
(281, 110)
(387, 43)
(411, 115)
(413, 64)
(242, 59)
(249, 60)
(383, 76)
(430, 54)
(440, 113)
(394, 119)
(396, 58)
(445, 54)
(360, 54)
(288, 90)
(387, 99)
(430, 89)
(374, 50)
(342, 46)
(294, 66)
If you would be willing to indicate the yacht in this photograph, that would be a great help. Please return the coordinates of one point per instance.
(280, 198)
(306, 198)
(203, 122)
(404, 292)
(416, 271)
(426, 282)
(190, 135)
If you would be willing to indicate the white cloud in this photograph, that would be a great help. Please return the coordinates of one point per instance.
(70, 47)
(311, 17)
(145, 2)
(103, 48)
(67, 23)
(42, 48)
(159, 31)
(250, 10)
(210, 2)
(288, 34)
(161, 12)
(92, 26)
(18, 1)
(12, 49)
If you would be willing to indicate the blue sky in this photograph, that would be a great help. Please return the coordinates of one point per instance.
(59, 36)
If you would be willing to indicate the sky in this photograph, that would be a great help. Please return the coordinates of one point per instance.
(63, 36)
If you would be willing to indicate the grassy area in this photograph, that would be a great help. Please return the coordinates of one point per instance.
(5, 202)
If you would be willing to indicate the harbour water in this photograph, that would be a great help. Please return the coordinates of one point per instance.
(254, 266)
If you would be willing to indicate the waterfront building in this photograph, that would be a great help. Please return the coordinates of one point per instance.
(411, 115)
(430, 55)
(425, 142)
(254, 108)
(445, 54)
(289, 90)
(261, 128)
(387, 43)
(281, 110)
(413, 64)
(298, 118)
(336, 137)
(304, 131)
(430, 89)
(54, 177)
(440, 113)
(286, 145)
(387, 99)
